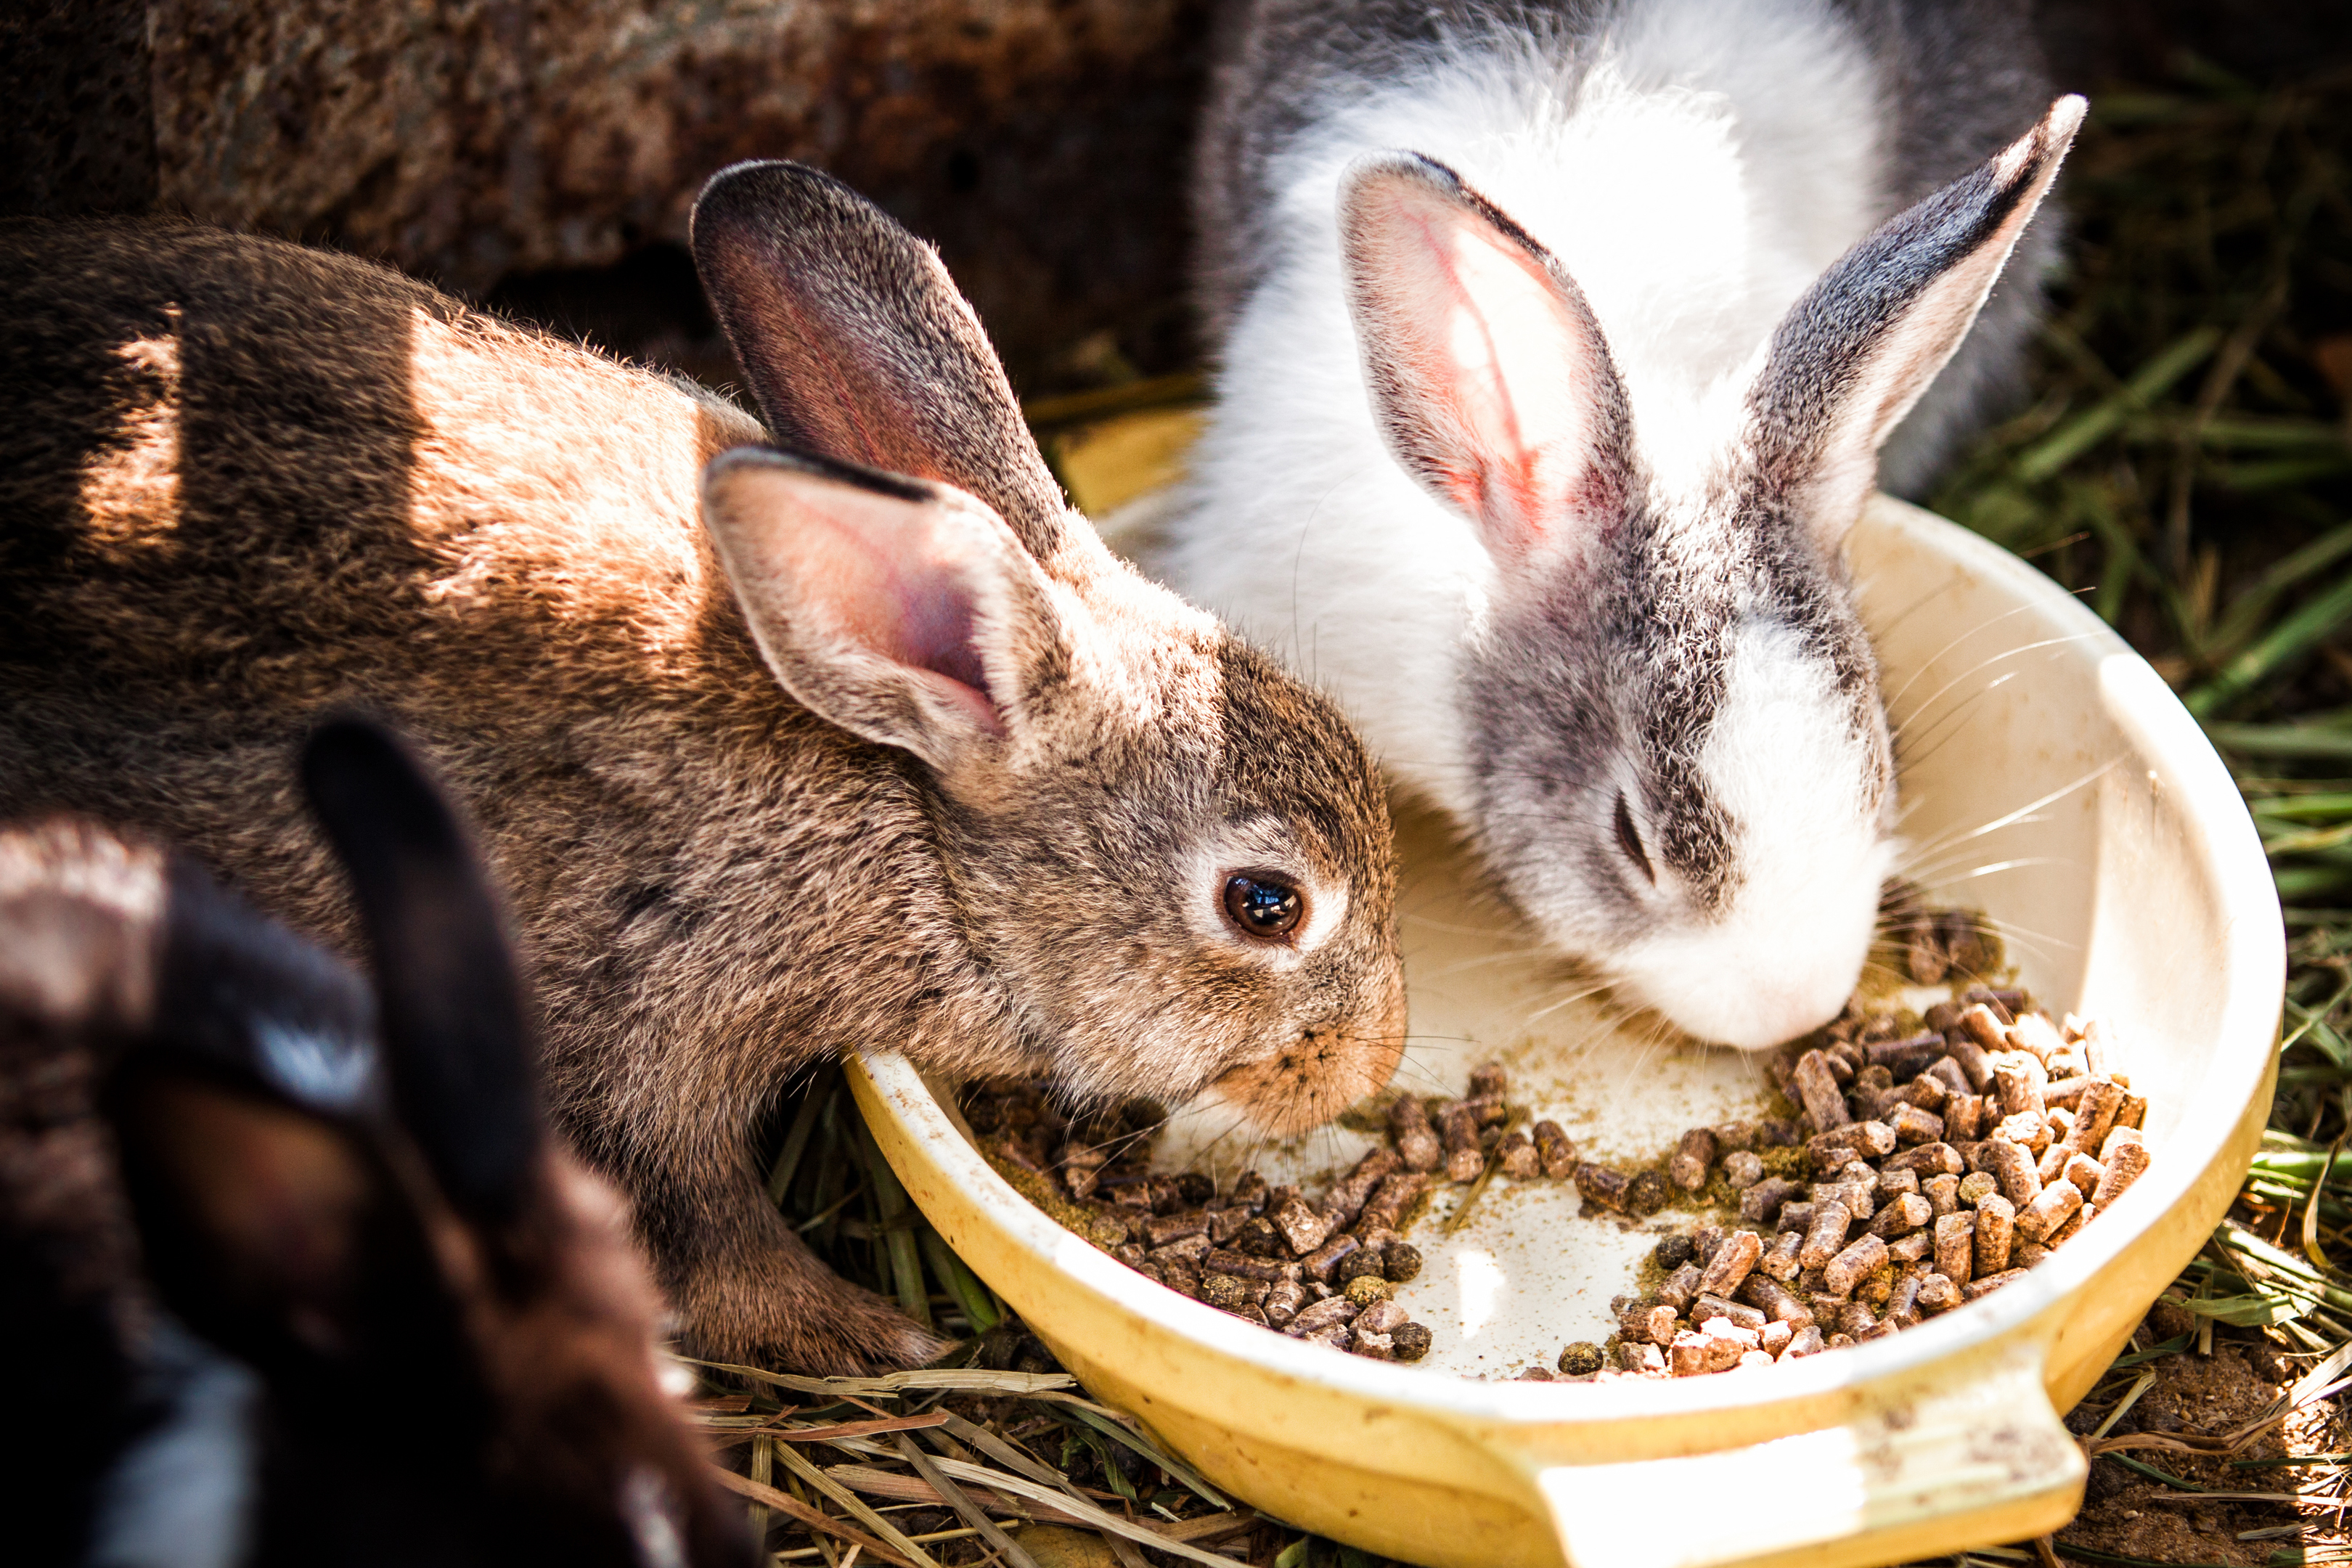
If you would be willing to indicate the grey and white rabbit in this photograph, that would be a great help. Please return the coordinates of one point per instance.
(1559, 346)
(292, 1270)
(779, 753)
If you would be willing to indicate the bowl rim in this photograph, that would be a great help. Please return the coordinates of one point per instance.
(2175, 751)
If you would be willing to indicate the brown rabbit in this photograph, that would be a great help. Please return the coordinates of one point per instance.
(420, 1332)
(902, 759)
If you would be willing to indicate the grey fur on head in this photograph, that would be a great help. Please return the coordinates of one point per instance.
(776, 757)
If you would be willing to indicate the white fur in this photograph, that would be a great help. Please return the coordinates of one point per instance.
(1780, 758)
(1716, 157)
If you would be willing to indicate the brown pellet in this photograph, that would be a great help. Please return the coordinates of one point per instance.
(1489, 1081)
(1599, 1185)
(1301, 1228)
(2012, 1166)
(1807, 1341)
(1902, 1217)
(1162, 1229)
(2053, 1206)
(1380, 1318)
(1774, 1300)
(1776, 1338)
(1830, 1150)
(1780, 1262)
(1416, 1142)
(1554, 1149)
(1692, 1157)
(1284, 1299)
(1743, 1168)
(1706, 1309)
(2028, 1130)
(1364, 1263)
(1977, 1289)
(2018, 1080)
(1903, 1302)
(1321, 1315)
(1964, 1118)
(1976, 1184)
(1954, 1079)
(2084, 1172)
(1841, 1273)
(1247, 1266)
(1942, 1192)
(1914, 1126)
(1983, 1029)
(1826, 1236)
(1818, 1092)
(1731, 1263)
(1938, 1292)
(1760, 1202)
(1681, 1287)
(1996, 1226)
(1412, 1341)
(1797, 1215)
(1654, 1322)
(1928, 1160)
(1389, 1202)
(2124, 1164)
(1324, 1262)
(1975, 1064)
(1956, 1245)
(1348, 1197)
(1457, 1127)
(2036, 1035)
(1648, 1192)
(1853, 1320)
(1517, 1157)
(2133, 1113)
(1911, 1248)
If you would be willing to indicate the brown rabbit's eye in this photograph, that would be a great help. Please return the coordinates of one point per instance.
(1262, 906)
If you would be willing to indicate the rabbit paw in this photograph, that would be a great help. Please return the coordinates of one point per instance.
(795, 1314)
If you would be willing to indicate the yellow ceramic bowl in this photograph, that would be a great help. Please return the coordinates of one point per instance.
(2050, 778)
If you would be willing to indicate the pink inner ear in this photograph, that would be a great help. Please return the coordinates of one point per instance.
(1494, 368)
(890, 575)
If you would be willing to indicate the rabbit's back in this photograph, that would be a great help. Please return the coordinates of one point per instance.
(225, 449)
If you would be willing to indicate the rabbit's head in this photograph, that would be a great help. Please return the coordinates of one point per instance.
(356, 1197)
(1680, 764)
(1171, 859)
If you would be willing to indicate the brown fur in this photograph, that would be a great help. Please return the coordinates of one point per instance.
(435, 1388)
(243, 481)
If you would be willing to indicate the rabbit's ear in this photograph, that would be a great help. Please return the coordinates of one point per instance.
(458, 1048)
(1489, 376)
(858, 346)
(277, 1233)
(904, 613)
(1862, 343)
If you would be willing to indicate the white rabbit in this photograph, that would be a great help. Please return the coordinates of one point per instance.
(1559, 344)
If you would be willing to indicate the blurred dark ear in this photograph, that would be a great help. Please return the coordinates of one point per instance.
(858, 345)
(277, 1234)
(458, 1044)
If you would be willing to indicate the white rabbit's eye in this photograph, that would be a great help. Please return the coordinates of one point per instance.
(1629, 838)
(1262, 906)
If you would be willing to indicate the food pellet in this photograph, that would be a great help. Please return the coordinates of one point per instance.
(1553, 1148)
(1932, 1167)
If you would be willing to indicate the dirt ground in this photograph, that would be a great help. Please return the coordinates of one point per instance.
(2130, 1514)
